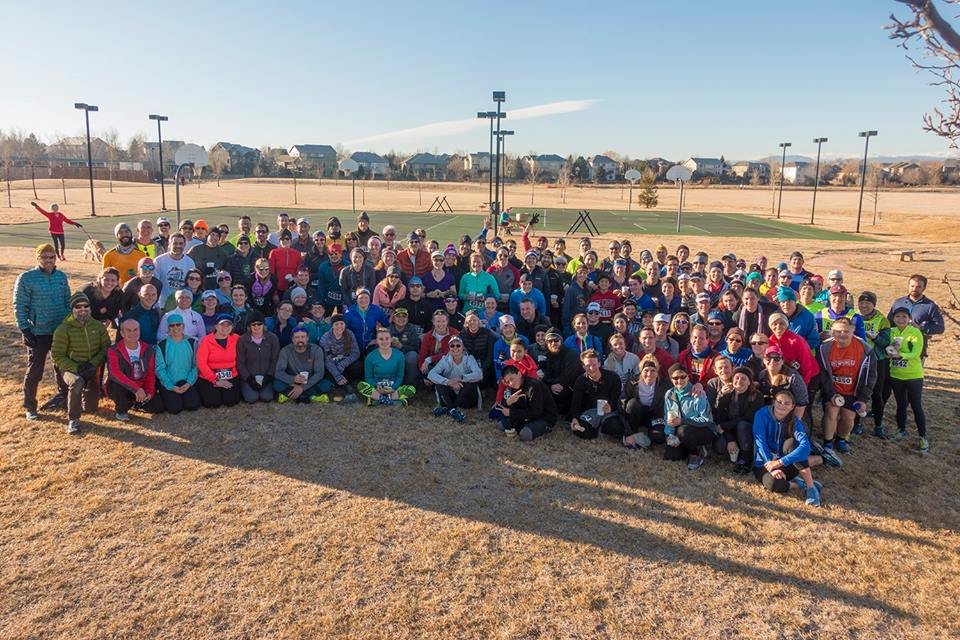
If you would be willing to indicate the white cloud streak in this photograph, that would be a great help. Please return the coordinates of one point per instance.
(454, 127)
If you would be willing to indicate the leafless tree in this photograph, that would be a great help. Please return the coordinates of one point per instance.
(11, 145)
(939, 45)
(135, 149)
(112, 138)
(563, 181)
(32, 151)
(533, 174)
(217, 160)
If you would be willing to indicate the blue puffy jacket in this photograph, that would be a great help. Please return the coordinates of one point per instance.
(769, 436)
(804, 324)
(364, 325)
(41, 300)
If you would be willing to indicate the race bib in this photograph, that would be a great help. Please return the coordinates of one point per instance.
(224, 374)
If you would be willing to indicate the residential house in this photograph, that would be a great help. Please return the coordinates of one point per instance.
(426, 165)
(239, 159)
(315, 157)
(701, 167)
(799, 172)
(477, 163)
(749, 170)
(547, 165)
(72, 152)
(371, 164)
(905, 172)
(659, 166)
(951, 170)
(608, 168)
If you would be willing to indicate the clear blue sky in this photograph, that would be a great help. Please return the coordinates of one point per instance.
(672, 79)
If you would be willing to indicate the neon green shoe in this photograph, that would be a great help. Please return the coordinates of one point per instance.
(283, 398)
(320, 399)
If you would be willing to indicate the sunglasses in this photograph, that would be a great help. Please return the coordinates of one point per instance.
(393, 275)
(714, 323)
(678, 378)
(223, 279)
(255, 324)
(759, 343)
(171, 325)
(553, 340)
(774, 358)
(186, 228)
(164, 225)
(148, 267)
(456, 346)
(682, 321)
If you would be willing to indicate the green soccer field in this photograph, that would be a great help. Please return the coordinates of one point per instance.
(449, 227)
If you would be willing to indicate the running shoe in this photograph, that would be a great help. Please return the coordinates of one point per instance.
(900, 435)
(879, 432)
(813, 496)
(441, 411)
(458, 415)
(73, 427)
(694, 462)
(320, 399)
(741, 468)
(830, 456)
(924, 445)
(32, 415)
(857, 429)
(843, 446)
(510, 431)
(122, 417)
(350, 398)
(282, 399)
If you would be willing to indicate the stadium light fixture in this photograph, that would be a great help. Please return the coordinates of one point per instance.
(159, 119)
(816, 178)
(863, 171)
(783, 162)
(87, 108)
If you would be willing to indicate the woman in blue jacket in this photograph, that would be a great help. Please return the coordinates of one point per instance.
(781, 449)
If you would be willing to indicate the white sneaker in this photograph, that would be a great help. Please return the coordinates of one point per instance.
(122, 417)
(73, 427)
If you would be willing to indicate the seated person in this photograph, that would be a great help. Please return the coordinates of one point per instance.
(456, 379)
(595, 403)
(735, 411)
(131, 374)
(383, 371)
(689, 423)
(299, 374)
(257, 353)
(645, 408)
(176, 364)
(341, 359)
(528, 409)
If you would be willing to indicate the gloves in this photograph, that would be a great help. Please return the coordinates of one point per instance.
(29, 339)
(78, 225)
(86, 371)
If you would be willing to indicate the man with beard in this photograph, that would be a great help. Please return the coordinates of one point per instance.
(528, 319)
(125, 256)
(560, 370)
(274, 238)
(209, 258)
(262, 246)
(303, 242)
(79, 348)
(172, 267)
(333, 231)
(162, 239)
(364, 232)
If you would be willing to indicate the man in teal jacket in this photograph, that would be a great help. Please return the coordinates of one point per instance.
(40, 302)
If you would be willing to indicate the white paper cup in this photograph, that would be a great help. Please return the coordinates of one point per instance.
(601, 407)
(259, 379)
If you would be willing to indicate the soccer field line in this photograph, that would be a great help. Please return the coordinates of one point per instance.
(693, 226)
(639, 227)
(779, 227)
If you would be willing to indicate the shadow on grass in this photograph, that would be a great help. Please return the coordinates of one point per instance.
(470, 473)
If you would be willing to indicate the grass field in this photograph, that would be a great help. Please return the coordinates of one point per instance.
(448, 227)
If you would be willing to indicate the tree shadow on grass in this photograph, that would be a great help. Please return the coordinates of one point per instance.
(465, 472)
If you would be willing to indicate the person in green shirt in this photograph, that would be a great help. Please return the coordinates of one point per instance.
(906, 374)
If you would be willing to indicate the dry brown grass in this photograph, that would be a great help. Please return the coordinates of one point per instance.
(303, 522)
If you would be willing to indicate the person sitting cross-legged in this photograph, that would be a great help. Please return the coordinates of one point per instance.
(456, 379)
(299, 375)
(132, 376)
(528, 408)
(176, 363)
(383, 371)
(689, 424)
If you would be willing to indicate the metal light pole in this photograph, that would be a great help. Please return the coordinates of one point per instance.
(87, 108)
(163, 194)
(816, 179)
(863, 171)
(783, 162)
(503, 179)
(489, 115)
(499, 97)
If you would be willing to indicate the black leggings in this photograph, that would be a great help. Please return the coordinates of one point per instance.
(124, 400)
(466, 398)
(910, 391)
(639, 416)
(881, 391)
(59, 244)
(742, 434)
(791, 471)
(174, 403)
(611, 424)
(212, 396)
(692, 437)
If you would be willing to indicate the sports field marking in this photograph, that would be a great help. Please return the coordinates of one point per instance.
(440, 224)
(639, 227)
(778, 226)
(693, 226)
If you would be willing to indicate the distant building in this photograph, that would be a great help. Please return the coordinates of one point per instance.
(72, 152)
(546, 164)
(905, 172)
(373, 165)
(610, 168)
(950, 170)
(701, 167)
(426, 165)
(238, 159)
(799, 172)
(151, 156)
(477, 163)
(748, 170)
(314, 157)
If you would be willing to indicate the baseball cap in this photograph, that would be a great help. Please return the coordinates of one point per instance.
(703, 297)
(772, 350)
(835, 273)
(208, 294)
(436, 254)
(714, 315)
(224, 317)
(413, 235)
(838, 289)
(163, 220)
(304, 221)
(661, 317)
(505, 319)
(201, 224)
(146, 260)
(174, 318)
(401, 311)
(593, 306)
(869, 296)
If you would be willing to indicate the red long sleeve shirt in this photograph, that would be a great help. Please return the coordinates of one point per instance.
(55, 219)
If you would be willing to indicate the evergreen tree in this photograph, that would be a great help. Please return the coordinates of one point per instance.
(648, 190)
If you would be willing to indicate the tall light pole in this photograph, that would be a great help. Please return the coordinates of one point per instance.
(163, 194)
(87, 108)
(816, 179)
(783, 163)
(489, 115)
(503, 180)
(499, 97)
(863, 171)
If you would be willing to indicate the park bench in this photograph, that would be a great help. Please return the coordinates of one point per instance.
(905, 255)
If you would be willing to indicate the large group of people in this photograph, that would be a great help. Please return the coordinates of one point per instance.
(653, 349)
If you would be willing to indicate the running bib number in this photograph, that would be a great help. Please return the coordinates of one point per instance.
(224, 374)
(898, 363)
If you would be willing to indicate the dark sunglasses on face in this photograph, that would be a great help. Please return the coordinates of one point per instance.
(759, 343)
(678, 377)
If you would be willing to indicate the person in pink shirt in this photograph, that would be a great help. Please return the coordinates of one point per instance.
(56, 220)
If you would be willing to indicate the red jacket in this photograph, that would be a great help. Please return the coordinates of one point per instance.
(663, 359)
(120, 369)
(527, 367)
(211, 357)
(429, 349)
(416, 265)
(284, 260)
(56, 220)
(797, 355)
(706, 368)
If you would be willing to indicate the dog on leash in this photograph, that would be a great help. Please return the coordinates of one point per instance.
(93, 250)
